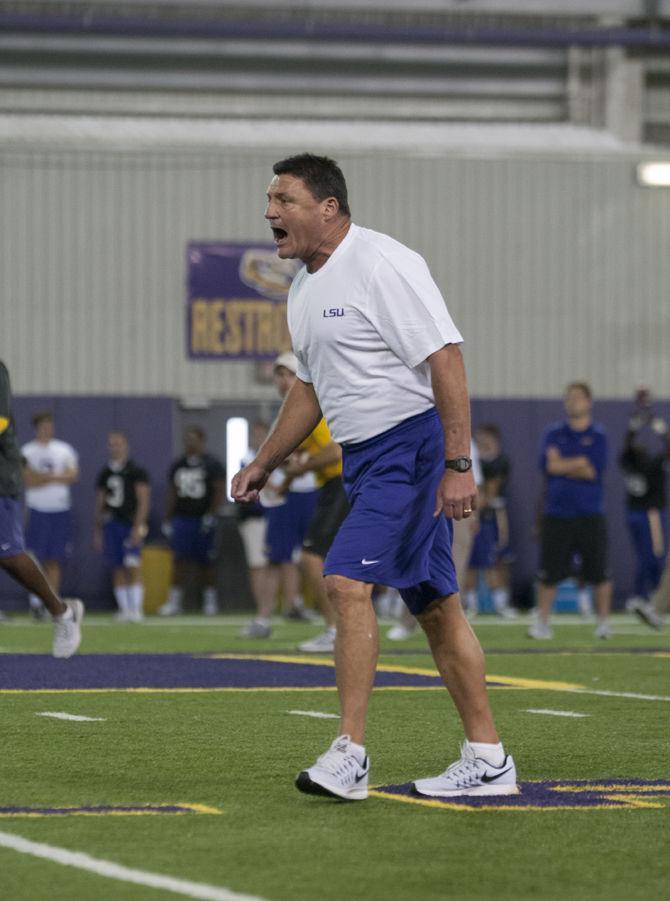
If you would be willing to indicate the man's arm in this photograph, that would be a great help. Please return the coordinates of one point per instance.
(570, 467)
(327, 456)
(143, 495)
(98, 518)
(5, 399)
(457, 492)
(297, 418)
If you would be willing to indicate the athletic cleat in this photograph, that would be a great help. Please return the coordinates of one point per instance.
(322, 644)
(67, 629)
(171, 607)
(339, 773)
(602, 630)
(256, 630)
(540, 631)
(470, 776)
(210, 607)
(646, 612)
(299, 614)
(400, 632)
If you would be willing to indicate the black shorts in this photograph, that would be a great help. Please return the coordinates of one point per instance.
(563, 539)
(332, 507)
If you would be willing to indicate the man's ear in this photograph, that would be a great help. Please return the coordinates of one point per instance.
(331, 208)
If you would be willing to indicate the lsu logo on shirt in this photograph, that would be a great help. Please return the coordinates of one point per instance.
(333, 312)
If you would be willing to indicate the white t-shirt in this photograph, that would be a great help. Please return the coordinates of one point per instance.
(54, 457)
(362, 327)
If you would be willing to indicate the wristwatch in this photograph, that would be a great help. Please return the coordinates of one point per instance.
(459, 464)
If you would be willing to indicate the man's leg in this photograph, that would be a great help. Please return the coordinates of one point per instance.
(312, 567)
(26, 571)
(460, 661)
(53, 573)
(356, 651)
(343, 770)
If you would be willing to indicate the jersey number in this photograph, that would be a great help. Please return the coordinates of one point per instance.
(115, 492)
(190, 483)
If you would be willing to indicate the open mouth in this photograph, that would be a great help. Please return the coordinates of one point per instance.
(279, 234)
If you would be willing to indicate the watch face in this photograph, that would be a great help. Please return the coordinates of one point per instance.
(460, 464)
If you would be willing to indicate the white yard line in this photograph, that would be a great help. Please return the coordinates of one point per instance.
(602, 693)
(111, 870)
(317, 714)
(557, 712)
(58, 715)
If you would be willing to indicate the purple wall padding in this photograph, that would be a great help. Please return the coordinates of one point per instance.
(84, 422)
(149, 421)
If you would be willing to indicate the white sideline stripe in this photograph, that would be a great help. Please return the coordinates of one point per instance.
(316, 714)
(57, 715)
(557, 712)
(615, 694)
(111, 870)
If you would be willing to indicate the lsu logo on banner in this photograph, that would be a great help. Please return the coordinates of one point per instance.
(620, 794)
(237, 301)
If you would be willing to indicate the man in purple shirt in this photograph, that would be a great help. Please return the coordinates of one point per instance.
(573, 458)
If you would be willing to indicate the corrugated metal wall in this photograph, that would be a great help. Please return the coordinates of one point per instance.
(553, 267)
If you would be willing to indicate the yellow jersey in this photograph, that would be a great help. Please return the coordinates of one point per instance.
(313, 444)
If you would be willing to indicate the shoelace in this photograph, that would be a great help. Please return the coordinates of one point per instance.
(465, 771)
(338, 761)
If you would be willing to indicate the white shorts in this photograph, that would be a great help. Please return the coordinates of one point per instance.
(253, 538)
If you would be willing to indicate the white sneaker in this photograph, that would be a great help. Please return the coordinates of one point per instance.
(338, 773)
(322, 644)
(603, 630)
(400, 632)
(67, 630)
(646, 612)
(210, 607)
(256, 630)
(170, 608)
(540, 631)
(471, 776)
(507, 612)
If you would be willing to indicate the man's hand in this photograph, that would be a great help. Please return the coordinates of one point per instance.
(246, 485)
(456, 495)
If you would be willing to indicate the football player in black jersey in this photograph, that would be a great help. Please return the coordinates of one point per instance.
(121, 513)
(196, 490)
(645, 475)
(67, 615)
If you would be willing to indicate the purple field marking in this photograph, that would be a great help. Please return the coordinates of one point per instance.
(549, 795)
(34, 672)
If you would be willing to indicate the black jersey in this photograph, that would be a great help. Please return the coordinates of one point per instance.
(497, 468)
(645, 478)
(11, 461)
(119, 487)
(194, 479)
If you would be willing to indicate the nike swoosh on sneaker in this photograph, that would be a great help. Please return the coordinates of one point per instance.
(487, 778)
(360, 776)
(368, 562)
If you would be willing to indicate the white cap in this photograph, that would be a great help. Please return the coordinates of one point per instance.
(288, 360)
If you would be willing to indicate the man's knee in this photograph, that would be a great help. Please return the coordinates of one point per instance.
(438, 613)
(345, 594)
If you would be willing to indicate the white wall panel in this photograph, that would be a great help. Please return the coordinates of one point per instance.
(554, 266)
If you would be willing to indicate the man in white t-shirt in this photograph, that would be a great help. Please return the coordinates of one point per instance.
(51, 466)
(380, 359)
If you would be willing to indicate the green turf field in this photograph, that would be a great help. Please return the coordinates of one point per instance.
(206, 773)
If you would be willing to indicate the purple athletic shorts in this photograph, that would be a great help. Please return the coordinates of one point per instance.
(390, 536)
(11, 527)
(49, 535)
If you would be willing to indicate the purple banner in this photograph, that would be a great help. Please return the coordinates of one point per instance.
(237, 301)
